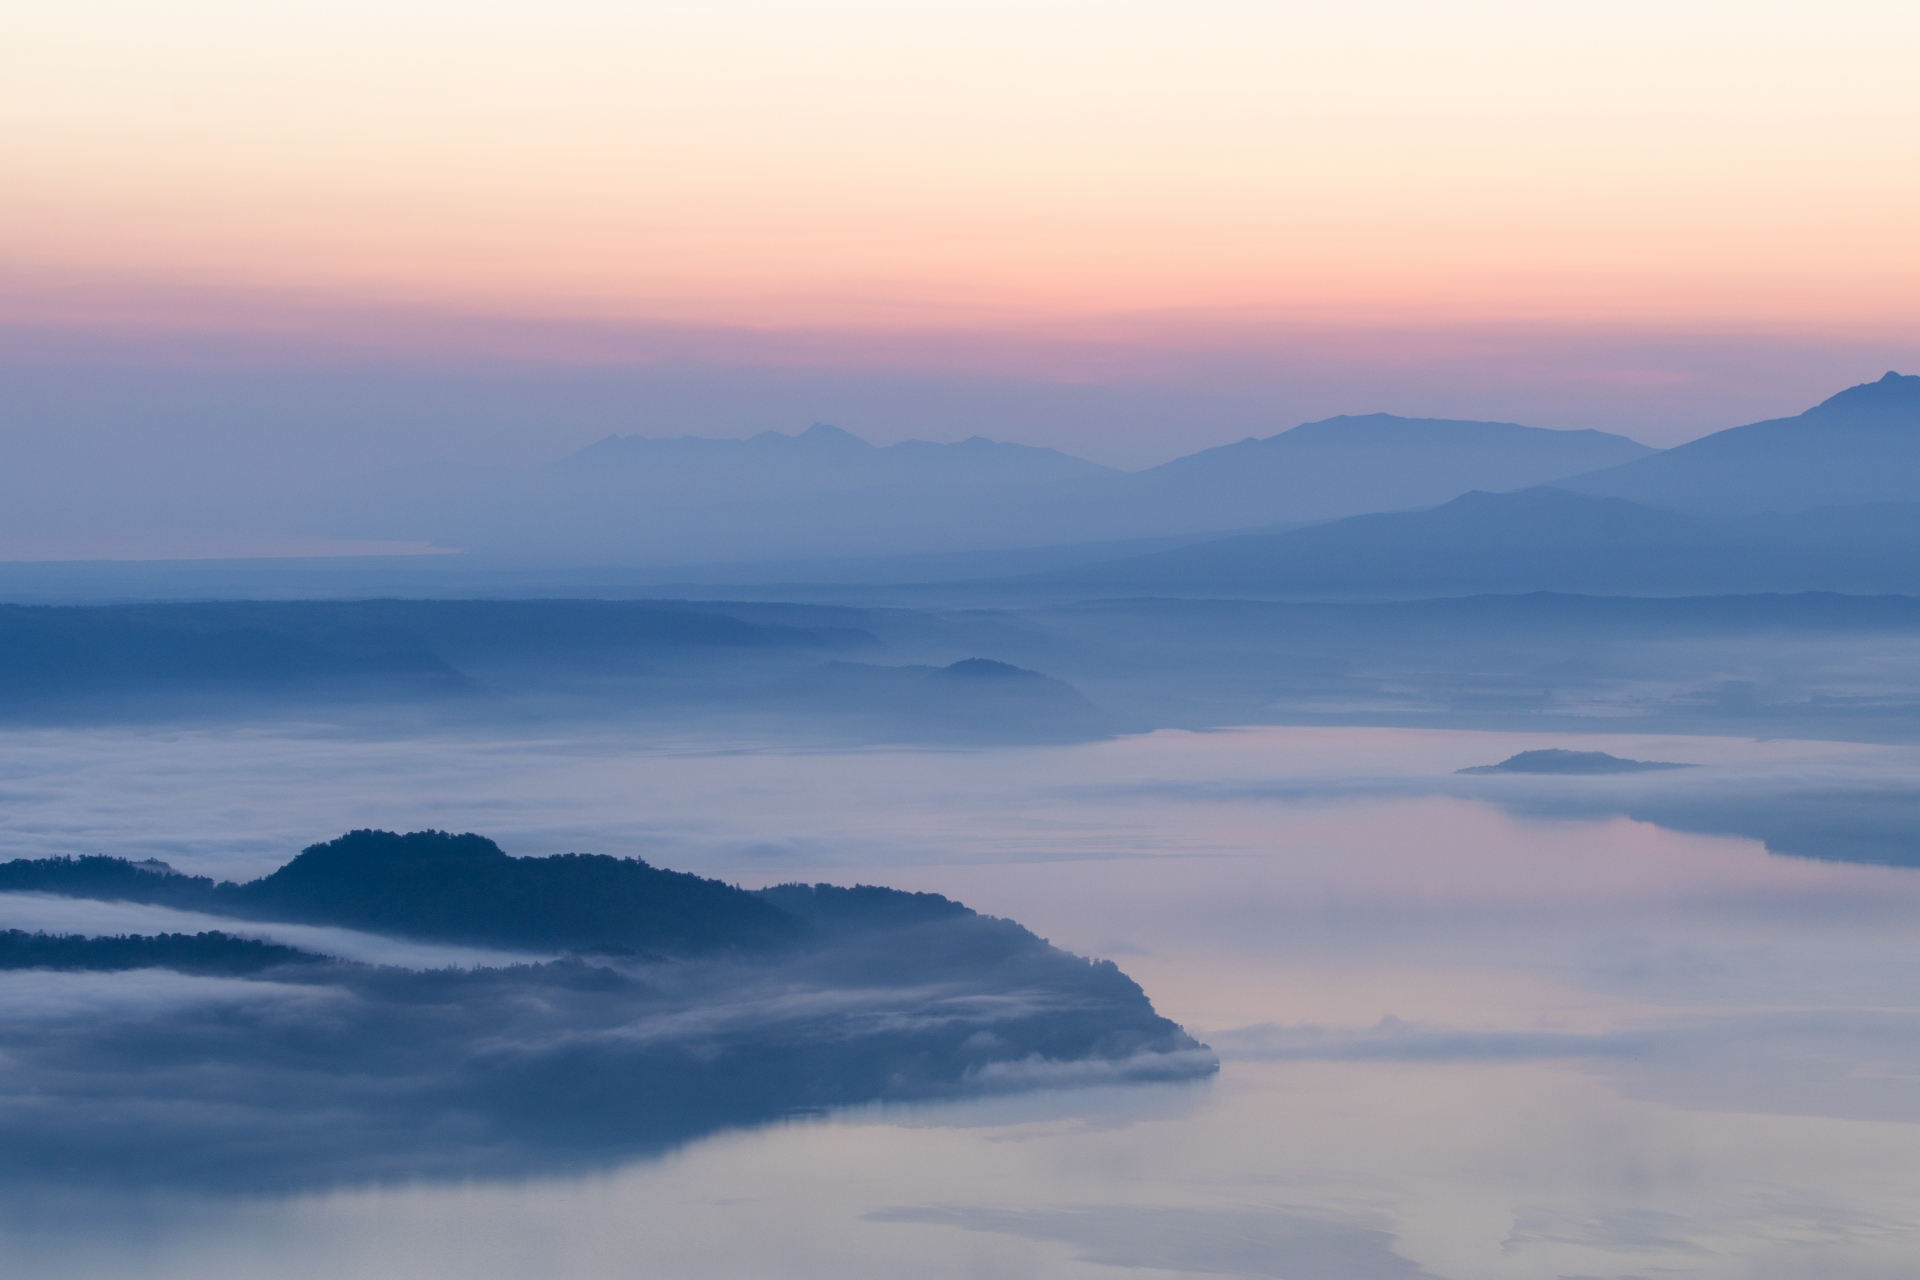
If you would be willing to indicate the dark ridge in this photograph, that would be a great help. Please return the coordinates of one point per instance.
(1558, 760)
(463, 888)
(211, 953)
(864, 906)
(451, 888)
(109, 879)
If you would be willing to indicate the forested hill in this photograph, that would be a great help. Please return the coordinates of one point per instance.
(432, 885)
(454, 888)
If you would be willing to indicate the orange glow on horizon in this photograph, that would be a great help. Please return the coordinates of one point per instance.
(993, 168)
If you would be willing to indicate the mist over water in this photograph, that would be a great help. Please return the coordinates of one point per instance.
(992, 642)
(1505, 931)
(1470, 1026)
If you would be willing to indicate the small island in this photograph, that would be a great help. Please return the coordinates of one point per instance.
(1556, 760)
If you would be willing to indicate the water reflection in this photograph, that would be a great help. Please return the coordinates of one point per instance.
(278, 1069)
(1468, 1031)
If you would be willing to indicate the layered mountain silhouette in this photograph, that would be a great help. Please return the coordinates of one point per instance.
(1826, 501)
(1861, 446)
(1377, 462)
(1351, 506)
(826, 493)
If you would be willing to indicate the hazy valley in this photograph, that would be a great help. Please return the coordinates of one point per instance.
(1380, 756)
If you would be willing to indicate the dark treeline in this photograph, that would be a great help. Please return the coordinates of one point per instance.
(211, 952)
(108, 879)
(834, 909)
(454, 888)
(464, 888)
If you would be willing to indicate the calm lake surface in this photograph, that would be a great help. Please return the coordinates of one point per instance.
(1470, 1027)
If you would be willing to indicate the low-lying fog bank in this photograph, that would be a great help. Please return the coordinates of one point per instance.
(1469, 1025)
(256, 1056)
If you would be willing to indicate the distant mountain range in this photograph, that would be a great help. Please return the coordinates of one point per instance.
(1828, 500)
(825, 493)
(1378, 462)
(1350, 507)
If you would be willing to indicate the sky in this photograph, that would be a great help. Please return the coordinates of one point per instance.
(1129, 230)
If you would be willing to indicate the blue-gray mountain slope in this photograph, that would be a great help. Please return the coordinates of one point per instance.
(1539, 539)
(1860, 446)
(1351, 465)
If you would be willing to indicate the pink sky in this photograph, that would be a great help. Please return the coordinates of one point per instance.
(1061, 191)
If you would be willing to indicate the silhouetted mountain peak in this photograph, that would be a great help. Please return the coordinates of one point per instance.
(1858, 447)
(446, 887)
(1896, 395)
(366, 852)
